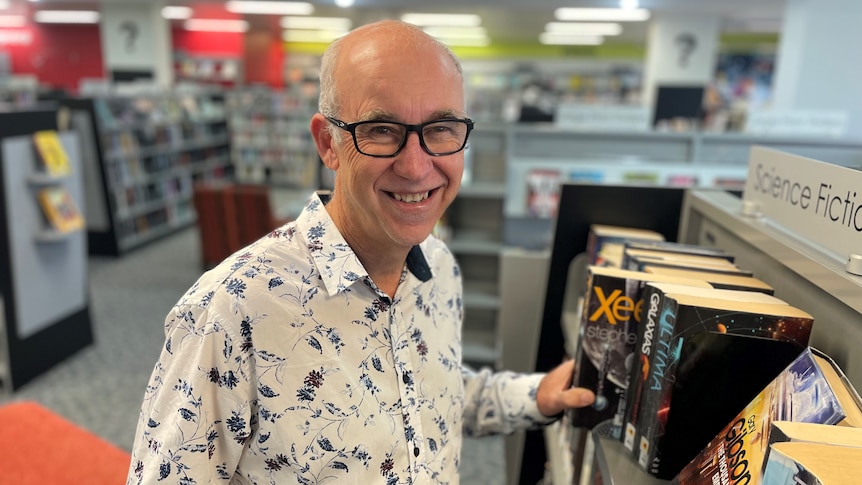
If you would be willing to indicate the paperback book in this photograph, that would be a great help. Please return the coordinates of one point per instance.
(673, 393)
(801, 463)
(607, 239)
(60, 209)
(810, 401)
(51, 153)
(610, 317)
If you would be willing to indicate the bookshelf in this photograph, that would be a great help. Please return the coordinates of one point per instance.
(44, 302)
(475, 223)
(145, 152)
(270, 139)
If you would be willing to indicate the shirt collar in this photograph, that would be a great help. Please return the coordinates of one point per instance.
(338, 265)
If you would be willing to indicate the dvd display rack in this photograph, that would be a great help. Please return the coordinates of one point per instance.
(148, 150)
(270, 138)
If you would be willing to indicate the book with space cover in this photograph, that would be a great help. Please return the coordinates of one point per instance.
(51, 154)
(806, 463)
(651, 332)
(810, 400)
(60, 209)
(609, 321)
(680, 383)
(605, 242)
(720, 266)
(631, 255)
(681, 248)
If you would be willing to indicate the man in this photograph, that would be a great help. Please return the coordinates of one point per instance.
(330, 349)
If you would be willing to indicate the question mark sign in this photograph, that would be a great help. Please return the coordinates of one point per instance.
(131, 30)
(687, 43)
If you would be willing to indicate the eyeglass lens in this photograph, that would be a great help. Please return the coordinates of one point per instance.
(382, 138)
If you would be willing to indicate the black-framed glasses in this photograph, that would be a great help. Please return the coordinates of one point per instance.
(385, 139)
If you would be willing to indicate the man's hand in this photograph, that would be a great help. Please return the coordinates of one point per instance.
(555, 393)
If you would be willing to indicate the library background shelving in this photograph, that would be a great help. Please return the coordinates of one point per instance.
(144, 153)
(44, 310)
(270, 139)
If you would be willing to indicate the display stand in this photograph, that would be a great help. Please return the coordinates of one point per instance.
(815, 277)
(145, 152)
(43, 273)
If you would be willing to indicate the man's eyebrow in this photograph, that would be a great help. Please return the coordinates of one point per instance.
(383, 115)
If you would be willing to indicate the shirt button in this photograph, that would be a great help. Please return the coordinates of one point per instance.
(416, 451)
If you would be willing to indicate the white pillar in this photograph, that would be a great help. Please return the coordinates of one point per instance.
(681, 50)
(816, 66)
(135, 37)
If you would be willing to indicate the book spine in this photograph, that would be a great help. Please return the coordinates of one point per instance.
(639, 370)
(657, 382)
(608, 333)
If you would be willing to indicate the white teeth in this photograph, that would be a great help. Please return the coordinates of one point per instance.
(410, 197)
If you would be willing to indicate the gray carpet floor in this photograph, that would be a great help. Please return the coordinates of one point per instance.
(101, 387)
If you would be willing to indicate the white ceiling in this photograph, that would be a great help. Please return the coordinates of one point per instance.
(521, 20)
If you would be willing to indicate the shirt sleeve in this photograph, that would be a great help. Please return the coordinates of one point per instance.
(500, 402)
(196, 414)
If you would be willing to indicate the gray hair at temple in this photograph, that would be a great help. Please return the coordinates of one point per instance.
(328, 103)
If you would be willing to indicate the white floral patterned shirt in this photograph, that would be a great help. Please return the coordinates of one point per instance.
(285, 364)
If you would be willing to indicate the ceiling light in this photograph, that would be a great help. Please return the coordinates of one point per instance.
(325, 23)
(271, 8)
(4, 4)
(457, 32)
(425, 19)
(461, 42)
(322, 36)
(181, 13)
(602, 14)
(216, 25)
(629, 4)
(343, 3)
(66, 17)
(549, 38)
(12, 21)
(594, 28)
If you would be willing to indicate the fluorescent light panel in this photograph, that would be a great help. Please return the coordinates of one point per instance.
(270, 8)
(12, 21)
(582, 28)
(550, 38)
(4, 4)
(216, 25)
(325, 23)
(66, 16)
(175, 12)
(463, 42)
(343, 3)
(442, 19)
(457, 32)
(323, 36)
(602, 14)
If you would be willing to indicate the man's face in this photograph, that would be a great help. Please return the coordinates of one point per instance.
(395, 202)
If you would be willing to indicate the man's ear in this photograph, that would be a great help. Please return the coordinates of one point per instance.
(323, 140)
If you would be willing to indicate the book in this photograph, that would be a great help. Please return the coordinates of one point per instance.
(664, 443)
(640, 263)
(610, 316)
(60, 209)
(648, 334)
(811, 389)
(678, 258)
(51, 153)
(717, 280)
(682, 248)
(610, 240)
(806, 463)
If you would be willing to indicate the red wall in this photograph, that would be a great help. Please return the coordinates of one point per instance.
(59, 55)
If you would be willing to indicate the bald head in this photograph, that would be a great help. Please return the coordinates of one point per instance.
(371, 43)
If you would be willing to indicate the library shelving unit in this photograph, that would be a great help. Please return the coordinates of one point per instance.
(270, 138)
(475, 225)
(45, 315)
(801, 272)
(144, 153)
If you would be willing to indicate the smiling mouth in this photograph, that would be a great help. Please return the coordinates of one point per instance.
(410, 198)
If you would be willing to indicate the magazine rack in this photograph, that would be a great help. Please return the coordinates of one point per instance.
(43, 273)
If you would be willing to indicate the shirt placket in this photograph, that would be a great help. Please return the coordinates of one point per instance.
(401, 350)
